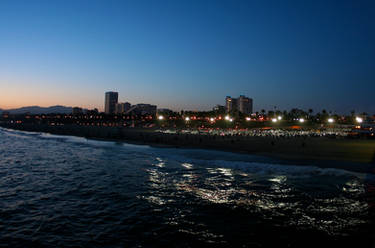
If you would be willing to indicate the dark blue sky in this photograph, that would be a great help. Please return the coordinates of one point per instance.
(189, 54)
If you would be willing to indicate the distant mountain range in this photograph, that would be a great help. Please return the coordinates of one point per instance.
(40, 110)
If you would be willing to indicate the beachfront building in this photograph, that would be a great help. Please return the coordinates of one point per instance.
(111, 98)
(94, 111)
(165, 111)
(122, 107)
(231, 104)
(219, 108)
(5, 114)
(242, 104)
(245, 104)
(142, 109)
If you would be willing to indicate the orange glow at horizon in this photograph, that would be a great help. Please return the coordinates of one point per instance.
(16, 96)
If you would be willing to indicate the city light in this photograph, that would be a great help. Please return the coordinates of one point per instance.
(230, 119)
(331, 120)
(359, 119)
(160, 117)
(227, 118)
(301, 120)
(274, 120)
(187, 118)
(248, 118)
(279, 117)
(212, 119)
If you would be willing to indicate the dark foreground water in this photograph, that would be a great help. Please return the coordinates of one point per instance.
(58, 191)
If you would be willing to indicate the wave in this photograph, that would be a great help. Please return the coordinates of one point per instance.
(207, 158)
(267, 168)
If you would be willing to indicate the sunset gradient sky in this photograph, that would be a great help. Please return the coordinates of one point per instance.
(188, 54)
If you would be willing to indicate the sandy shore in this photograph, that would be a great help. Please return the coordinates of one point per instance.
(337, 152)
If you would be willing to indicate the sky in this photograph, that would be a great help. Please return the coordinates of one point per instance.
(189, 54)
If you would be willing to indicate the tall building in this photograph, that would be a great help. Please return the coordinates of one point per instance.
(111, 98)
(242, 104)
(122, 107)
(231, 104)
(245, 104)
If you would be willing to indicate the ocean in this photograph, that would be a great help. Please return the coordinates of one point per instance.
(64, 191)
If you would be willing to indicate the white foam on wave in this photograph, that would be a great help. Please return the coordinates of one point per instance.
(18, 133)
(76, 139)
(208, 158)
(93, 142)
(254, 164)
(263, 167)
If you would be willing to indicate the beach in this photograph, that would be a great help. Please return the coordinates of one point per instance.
(340, 152)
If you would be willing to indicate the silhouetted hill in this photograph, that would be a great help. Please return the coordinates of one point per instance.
(41, 110)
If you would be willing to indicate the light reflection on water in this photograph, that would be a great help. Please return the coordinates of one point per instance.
(275, 195)
(149, 195)
(187, 166)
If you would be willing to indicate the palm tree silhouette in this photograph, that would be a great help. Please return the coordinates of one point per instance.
(310, 112)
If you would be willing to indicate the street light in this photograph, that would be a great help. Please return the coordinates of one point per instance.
(187, 118)
(212, 119)
(301, 120)
(227, 118)
(274, 120)
(248, 119)
(279, 118)
(359, 119)
(160, 117)
(331, 120)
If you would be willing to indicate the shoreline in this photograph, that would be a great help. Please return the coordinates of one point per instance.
(350, 154)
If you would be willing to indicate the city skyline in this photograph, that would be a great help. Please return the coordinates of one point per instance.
(189, 55)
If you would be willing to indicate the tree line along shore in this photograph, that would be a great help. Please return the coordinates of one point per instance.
(299, 149)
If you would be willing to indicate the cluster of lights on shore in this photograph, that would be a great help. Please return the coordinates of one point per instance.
(228, 118)
(279, 118)
(276, 119)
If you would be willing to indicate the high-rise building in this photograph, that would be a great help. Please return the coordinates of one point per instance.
(111, 98)
(245, 104)
(122, 107)
(242, 104)
(231, 104)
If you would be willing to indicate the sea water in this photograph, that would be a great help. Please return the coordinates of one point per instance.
(63, 191)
